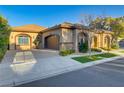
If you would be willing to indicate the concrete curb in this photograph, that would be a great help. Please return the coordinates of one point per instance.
(50, 75)
(72, 68)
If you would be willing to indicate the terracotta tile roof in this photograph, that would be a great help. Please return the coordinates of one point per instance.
(29, 28)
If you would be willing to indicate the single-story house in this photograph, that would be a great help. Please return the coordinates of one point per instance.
(59, 37)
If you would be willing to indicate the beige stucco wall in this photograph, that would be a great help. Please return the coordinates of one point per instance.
(67, 39)
(98, 40)
(101, 39)
(14, 36)
(104, 35)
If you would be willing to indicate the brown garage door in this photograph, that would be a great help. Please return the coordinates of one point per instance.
(52, 42)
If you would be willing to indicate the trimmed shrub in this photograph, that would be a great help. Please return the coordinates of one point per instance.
(106, 49)
(96, 50)
(66, 52)
(115, 46)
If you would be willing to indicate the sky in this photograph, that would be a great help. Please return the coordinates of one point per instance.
(51, 15)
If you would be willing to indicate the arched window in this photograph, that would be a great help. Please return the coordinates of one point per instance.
(94, 41)
(23, 40)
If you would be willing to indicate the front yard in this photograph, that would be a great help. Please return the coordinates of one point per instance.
(84, 59)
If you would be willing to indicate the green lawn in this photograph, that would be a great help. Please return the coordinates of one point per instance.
(84, 59)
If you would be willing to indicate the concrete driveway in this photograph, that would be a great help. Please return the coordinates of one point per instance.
(45, 53)
(20, 67)
(110, 74)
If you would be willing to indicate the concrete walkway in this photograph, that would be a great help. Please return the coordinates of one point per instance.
(23, 67)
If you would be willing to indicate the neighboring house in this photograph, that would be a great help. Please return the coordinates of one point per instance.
(60, 37)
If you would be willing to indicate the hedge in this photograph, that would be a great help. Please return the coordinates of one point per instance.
(66, 52)
(96, 49)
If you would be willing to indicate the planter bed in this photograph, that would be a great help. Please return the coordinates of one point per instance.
(84, 59)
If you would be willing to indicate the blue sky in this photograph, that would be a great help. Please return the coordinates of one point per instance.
(51, 15)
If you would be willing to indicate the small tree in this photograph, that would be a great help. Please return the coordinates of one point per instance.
(37, 41)
(116, 25)
(118, 31)
(87, 20)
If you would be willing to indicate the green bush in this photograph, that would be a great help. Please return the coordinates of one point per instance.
(4, 36)
(2, 52)
(96, 50)
(115, 46)
(83, 47)
(66, 52)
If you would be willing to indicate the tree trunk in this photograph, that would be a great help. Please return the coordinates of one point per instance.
(89, 44)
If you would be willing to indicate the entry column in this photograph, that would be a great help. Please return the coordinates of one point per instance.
(43, 38)
(76, 41)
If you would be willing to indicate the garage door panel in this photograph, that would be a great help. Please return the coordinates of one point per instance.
(52, 42)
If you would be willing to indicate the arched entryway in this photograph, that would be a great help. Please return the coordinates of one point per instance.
(52, 42)
(83, 42)
(107, 42)
(94, 42)
(82, 37)
(23, 42)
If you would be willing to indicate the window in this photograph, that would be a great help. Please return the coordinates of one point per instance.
(23, 40)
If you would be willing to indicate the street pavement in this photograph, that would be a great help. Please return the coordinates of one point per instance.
(109, 74)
